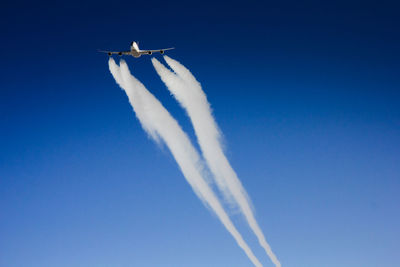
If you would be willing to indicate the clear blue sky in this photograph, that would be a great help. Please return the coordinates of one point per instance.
(306, 93)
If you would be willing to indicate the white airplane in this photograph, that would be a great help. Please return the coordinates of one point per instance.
(135, 51)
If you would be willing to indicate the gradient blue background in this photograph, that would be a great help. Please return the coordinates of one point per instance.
(306, 93)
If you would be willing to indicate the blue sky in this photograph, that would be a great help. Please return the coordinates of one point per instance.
(306, 94)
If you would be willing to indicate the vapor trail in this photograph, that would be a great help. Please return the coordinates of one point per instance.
(157, 121)
(187, 90)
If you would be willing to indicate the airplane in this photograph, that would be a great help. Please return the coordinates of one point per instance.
(135, 51)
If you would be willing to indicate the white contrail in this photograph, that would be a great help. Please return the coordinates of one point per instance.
(158, 122)
(187, 90)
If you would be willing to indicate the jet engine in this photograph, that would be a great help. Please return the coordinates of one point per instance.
(120, 53)
(149, 52)
(161, 52)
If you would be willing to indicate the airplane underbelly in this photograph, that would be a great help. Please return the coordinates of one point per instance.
(135, 53)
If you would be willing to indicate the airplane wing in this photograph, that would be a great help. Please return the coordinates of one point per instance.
(149, 52)
(116, 53)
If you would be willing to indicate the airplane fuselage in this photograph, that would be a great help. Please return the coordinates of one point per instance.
(135, 51)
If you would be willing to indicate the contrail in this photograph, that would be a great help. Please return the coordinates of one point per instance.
(187, 90)
(158, 122)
